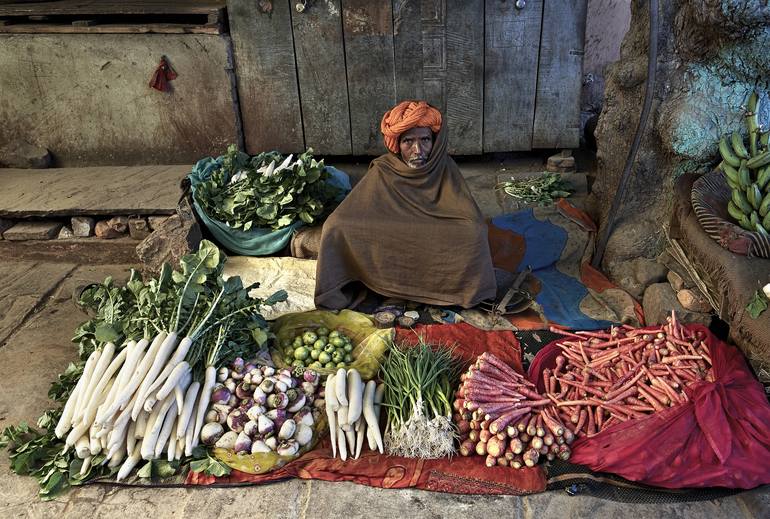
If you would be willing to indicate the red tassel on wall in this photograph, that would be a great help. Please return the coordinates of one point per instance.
(162, 75)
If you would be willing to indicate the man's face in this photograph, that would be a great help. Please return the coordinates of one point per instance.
(415, 146)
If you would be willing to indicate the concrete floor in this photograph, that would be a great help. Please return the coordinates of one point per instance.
(38, 318)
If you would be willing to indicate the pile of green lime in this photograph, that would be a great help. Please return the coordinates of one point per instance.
(318, 348)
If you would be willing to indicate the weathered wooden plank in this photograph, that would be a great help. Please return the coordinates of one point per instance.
(267, 75)
(407, 47)
(77, 7)
(512, 39)
(109, 190)
(465, 76)
(560, 70)
(322, 80)
(368, 31)
(155, 28)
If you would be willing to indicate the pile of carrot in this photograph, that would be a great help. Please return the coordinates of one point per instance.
(605, 378)
(500, 415)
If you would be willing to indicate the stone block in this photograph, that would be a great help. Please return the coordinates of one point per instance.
(677, 282)
(113, 228)
(156, 221)
(138, 228)
(44, 230)
(659, 299)
(693, 300)
(65, 233)
(5, 225)
(647, 271)
(178, 235)
(21, 154)
(82, 226)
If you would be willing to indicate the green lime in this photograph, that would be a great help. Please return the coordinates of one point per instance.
(314, 354)
(338, 356)
(348, 348)
(322, 331)
(298, 341)
(301, 353)
(298, 364)
(333, 334)
(324, 357)
(329, 365)
(320, 343)
(329, 348)
(348, 358)
(288, 360)
(316, 365)
(309, 338)
(341, 365)
(336, 342)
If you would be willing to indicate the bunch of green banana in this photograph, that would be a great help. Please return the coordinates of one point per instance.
(747, 172)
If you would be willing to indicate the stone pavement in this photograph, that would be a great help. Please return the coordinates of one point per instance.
(37, 320)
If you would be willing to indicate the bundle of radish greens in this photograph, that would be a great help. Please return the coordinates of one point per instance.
(148, 361)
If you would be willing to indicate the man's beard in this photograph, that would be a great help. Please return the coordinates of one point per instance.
(415, 163)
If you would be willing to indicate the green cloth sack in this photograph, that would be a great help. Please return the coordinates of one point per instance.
(257, 241)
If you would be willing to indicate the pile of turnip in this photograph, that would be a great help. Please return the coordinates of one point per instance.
(260, 410)
(353, 411)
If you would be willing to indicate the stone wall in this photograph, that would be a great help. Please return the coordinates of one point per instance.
(711, 54)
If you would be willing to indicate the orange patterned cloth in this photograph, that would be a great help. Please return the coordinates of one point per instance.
(405, 116)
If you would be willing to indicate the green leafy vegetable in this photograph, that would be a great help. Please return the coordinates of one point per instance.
(757, 305)
(542, 189)
(267, 190)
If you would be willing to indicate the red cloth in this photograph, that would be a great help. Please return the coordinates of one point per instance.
(720, 438)
(458, 475)
(162, 75)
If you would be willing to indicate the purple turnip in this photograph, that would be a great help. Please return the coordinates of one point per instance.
(211, 433)
(238, 365)
(303, 434)
(254, 412)
(227, 441)
(304, 416)
(236, 420)
(251, 429)
(287, 430)
(260, 397)
(264, 424)
(220, 395)
(259, 447)
(278, 401)
(292, 394)
(243, 390)
(288, 448)
(308, 388)
(267, 385)
(297, 404)
(268, 371)
(231, 384)
(222, 374)
(271, 442)
(242, 444)
(311, 376)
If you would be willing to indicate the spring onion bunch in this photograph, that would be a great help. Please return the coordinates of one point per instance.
(419, 382)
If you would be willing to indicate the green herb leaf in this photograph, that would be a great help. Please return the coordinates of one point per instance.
(757, 305)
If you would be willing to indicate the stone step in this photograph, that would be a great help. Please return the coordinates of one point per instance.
(93, 191)
(88, 251)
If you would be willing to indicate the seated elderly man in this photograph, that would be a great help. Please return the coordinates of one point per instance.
(410, 228)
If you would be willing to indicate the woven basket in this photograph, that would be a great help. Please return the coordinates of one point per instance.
(709, 197)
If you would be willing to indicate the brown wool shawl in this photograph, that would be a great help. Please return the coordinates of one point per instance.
(414, 234)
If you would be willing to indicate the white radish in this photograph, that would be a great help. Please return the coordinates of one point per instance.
(342, 418)
(166, 427)
(179, 354)
(187, 409)
(89, 413)
(116, 459)
(203, 402)
(94, 445)
(86, 466)
(179, 392)
(190, 432)
(82, 448)
(372, 419)
(74, 435)
(103, 443)
(350, 434)
(130, 463)
(171, 452)
(176, 375)
(120, 380)
(144, 368)
(342, 445)
(179, 448)
(355, 393)
(154, 425)
(339, 386)
(157, 365)
(65, 422)
(331, 414)
(141, 424)
(105, 359)
(370, 439)
(360, 431)
(130, 437)
(88, 370)
(128, 390)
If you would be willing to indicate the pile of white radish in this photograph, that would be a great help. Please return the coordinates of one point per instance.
(138, 403)
(353, 411)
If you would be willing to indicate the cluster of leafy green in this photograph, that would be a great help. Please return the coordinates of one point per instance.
(542, 189)
(196, 300)
(267, 190)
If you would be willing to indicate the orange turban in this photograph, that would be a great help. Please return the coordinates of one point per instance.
(405, 116)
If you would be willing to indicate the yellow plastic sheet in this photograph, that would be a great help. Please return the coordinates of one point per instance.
(370, 343)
